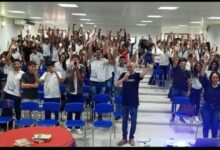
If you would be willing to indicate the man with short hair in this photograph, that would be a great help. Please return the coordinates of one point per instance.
(130, 84)
(29, 83)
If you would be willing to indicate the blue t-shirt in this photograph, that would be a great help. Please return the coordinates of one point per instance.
(130, 90)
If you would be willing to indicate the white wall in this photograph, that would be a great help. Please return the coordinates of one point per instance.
(7, 32)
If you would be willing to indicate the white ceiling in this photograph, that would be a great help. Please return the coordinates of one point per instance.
(117, 13)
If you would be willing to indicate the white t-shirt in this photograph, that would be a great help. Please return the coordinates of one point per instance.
(98, 70)
(157, 54)
(17, 55)
(60, 69)
(55, 56)
(36, 57)
(6, 68)
(12, 85)
(46, 49)
(196, 84)
(118, 71)
(78, 48)
(51, 85)
(164, 58)
(109, 70)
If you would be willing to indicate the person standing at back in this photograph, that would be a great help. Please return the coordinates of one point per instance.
(130, 84)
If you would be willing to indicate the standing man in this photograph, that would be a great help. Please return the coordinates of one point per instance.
(130, 84)
(74, 88)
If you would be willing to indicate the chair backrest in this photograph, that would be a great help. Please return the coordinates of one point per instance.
(101, 98)
(62, 88)
(104, 108)
(29, 106)
(74, 107)
(8, 103)
(118, 100)
(51, 106)
(181, 100)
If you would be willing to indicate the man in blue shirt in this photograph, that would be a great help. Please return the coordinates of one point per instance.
(130, 84)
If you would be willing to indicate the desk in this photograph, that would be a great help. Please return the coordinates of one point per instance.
(60, 136)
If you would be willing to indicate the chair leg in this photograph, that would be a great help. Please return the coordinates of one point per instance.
(110, 136)
(93, 136)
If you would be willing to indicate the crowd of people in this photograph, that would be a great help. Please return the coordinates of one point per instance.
(109, 63)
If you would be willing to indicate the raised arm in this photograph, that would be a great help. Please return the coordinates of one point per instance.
(175, 56)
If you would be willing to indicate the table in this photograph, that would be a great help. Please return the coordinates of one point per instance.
(61, 137)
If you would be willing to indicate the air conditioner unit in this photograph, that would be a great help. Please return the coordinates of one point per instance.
(19, 22)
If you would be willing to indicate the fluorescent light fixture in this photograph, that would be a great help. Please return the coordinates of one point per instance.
(195, 22)
(68, 5)
(85, 19)
(195, 27)
(146, 21)
(78, 14)
(154, 16)
(214, 18)
(16, 12)
(89, 23)
(173, 27)
(182, 25)
(168, 8)
(35, 17)
(140, 24)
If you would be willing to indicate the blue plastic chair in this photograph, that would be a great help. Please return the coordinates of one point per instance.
(52, 107)
(103, 108)
(41, 87)
(6, 120)
(40, 73)
(29, 106)
(75, 107)
(182, 100)
(117, 113)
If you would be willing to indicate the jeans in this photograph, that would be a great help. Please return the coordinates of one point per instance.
(173, 93)
(74, 99)
(195, 97)
(133, 114)
(118, 91)
(97, 87)
(210, 120)
(109, 86)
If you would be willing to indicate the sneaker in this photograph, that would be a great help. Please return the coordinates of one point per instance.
(70, 130)
(182, 120)
(79, 131)
(196, 119)
(117, 118)
(122, 142)
(132, 142)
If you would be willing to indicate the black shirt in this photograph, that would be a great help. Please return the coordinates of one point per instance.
(180, 78)
(29, 93)
(27, 53)
(130, 90)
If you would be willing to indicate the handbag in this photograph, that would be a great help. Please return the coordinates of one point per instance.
(188, 110)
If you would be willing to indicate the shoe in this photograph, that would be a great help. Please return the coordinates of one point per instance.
(172, 119)
(122, 142)
(196, 119)
(117, 118)
(79, 131)
(182, 120)
(132, 142)
(70, 130)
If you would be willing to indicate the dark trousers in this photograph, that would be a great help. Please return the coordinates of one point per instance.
(210, 117)
(48, 113)
(165, 72)
(74, 99)
(195, 97)
(125, 113)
